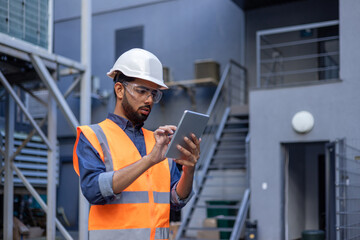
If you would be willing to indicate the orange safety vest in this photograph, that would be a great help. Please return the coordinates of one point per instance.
(143, 209)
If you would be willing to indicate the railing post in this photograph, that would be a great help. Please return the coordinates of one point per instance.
(51, 171)
(258, 59)
(9, 179)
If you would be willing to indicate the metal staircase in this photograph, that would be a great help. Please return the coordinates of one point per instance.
(221, 202)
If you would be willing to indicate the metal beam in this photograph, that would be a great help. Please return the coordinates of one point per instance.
(51, 170)
(41, 202)
(29, 48)
(32, 95)
(8, 87)
(28, 138)
(72, 86)
(54, 90)
(68, 71)
(85, 102)
(9, 178)
(298, 27)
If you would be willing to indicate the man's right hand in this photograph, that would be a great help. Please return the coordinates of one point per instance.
(163, 137)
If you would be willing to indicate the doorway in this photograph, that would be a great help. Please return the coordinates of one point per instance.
(304, 188)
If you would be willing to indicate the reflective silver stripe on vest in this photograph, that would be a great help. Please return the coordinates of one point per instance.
(120, 234)
(162, 233)
(132, 197)
(161, 197)
(104, 146)
(170, 161)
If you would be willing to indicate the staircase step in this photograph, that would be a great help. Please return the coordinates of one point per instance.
(235, 130)
(236, 121)
(229, 197)
(229, 156)
(225, 175)
(233, 139)
(209, 229)
(227, 166)
(230, 147)
(218, 206)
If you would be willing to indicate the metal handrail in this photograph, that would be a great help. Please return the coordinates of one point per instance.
(218, 104)
(219, 110)
(240, 218)
(303, 71)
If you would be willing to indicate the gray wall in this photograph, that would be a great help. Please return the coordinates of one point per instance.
(334, 106)
(179, 32)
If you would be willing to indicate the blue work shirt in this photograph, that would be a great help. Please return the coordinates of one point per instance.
(96, 183)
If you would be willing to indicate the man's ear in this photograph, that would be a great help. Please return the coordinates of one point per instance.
(119, 90)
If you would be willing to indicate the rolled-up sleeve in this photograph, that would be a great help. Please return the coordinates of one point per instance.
(95, 182)
(175, 202)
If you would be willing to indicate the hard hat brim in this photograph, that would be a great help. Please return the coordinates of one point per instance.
(112, 74)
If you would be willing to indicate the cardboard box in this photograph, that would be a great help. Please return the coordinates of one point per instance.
(20, 229)
(35, 232)
(210, 223)
(174, 226)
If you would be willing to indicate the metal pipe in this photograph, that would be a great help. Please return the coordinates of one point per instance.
(50, 25)
(298, 27)
(51, 170)
(303, 71)
(54, 90)
(296, 43)
(41, 202)
(85, 101)
(258, 59)
(301, 57)
(9, 179)
(72, 87)
(8, 87)
(240, 218)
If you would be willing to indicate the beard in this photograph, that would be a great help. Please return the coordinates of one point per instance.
(132, 114)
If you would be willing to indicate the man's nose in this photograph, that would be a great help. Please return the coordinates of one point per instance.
(149, 99)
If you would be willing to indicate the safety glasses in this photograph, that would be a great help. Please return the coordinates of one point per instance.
(142, 92)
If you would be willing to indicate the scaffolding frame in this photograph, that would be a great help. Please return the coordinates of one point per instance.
(41, 60)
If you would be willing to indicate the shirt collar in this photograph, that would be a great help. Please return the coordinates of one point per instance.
(123, 123)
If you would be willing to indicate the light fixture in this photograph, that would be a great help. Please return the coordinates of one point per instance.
(303, 122)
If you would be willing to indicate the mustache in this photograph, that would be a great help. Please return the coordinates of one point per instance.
(145, 106)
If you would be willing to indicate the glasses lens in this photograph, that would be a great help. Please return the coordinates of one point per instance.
(145, 92)
(156, 94)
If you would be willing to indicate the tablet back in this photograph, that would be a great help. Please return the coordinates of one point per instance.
(190, 122)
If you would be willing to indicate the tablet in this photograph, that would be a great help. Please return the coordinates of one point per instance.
(190, 122)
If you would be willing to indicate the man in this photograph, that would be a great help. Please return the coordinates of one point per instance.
(123, 171)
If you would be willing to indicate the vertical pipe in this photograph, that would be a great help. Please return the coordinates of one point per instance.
(50, 25)
(258, 55)
(9, 186)
(51, 170)
(85, 101)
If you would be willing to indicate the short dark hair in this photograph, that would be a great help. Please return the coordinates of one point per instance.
(120, 77)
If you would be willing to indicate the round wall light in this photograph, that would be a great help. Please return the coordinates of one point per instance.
(303, 122)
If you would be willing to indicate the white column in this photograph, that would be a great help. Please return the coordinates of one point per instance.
(85, 101)
(9, 183)
(51, 170)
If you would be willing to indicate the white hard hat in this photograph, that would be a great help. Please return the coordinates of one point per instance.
(139, 63)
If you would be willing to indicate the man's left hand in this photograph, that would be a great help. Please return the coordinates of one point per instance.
(191, 156)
